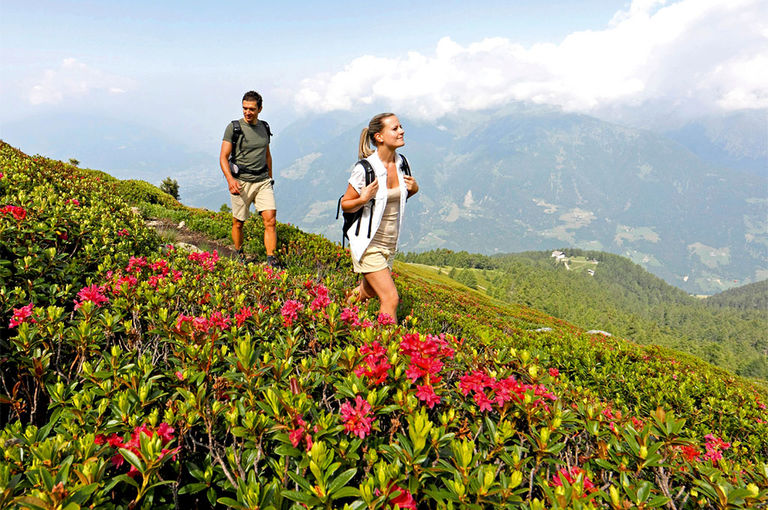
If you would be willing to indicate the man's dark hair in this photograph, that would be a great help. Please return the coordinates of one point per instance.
(252, 95)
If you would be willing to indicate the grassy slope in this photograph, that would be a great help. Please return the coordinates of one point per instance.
(600, 378)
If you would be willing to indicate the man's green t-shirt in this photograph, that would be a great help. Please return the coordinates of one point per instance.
(251, 150)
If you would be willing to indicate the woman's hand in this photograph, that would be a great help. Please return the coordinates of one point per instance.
(352, 200)
(411, 185)
(369, 192)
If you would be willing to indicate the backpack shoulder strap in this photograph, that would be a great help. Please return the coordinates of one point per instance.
(237, 130)
(370, 175)
(266, 126)
(237, 133)
(405, 167)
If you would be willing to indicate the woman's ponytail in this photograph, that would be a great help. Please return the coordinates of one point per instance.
(367, 142)
(364, 150)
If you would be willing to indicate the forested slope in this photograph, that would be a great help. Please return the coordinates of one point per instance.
(753, 296)
(619, 297)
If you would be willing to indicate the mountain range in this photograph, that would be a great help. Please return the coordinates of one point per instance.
(529, 178)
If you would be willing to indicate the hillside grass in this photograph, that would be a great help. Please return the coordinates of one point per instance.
(136, 375)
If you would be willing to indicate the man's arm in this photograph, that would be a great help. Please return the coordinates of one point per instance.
(269, 162)
(226, 150)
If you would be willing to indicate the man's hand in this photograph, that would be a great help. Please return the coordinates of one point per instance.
(234, 186)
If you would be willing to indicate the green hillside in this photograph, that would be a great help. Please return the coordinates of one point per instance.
(136, 374)
(753, 296)
(601, 291)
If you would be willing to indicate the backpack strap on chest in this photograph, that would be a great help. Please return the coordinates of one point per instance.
(237, 133)
(370, 176)
(405, 167)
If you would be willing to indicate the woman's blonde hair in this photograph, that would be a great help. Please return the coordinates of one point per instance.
(367, 142)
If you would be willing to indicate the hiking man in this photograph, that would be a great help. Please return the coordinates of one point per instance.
(247, 165)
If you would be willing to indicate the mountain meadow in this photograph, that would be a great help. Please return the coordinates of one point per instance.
(602, 291)
(138, 373)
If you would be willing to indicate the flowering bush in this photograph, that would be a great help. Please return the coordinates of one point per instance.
(138, 376)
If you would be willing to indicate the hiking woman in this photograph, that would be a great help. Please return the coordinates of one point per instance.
(373, 255)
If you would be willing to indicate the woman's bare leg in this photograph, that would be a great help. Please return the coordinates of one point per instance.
(380, 283)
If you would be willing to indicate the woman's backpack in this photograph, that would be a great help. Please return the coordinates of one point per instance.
(356, 217)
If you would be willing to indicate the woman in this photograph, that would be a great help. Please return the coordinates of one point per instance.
(373, 256)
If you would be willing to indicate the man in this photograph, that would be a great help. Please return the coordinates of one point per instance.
(253, 181)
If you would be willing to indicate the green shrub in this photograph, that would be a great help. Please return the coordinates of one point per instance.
(137, 192)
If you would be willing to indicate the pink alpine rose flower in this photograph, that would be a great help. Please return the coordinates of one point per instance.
(571, 476)
(356, 419)
(715, 448)
(22, 315)
(94, 294)
(426, 393)
(290, 311)
(350, 316)
(385, 319)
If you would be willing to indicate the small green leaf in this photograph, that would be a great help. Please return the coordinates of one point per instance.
(193, 488)
(301, 497)
(134, 459)
(341, 480)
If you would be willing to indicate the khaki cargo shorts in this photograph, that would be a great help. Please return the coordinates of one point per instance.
(260, 194)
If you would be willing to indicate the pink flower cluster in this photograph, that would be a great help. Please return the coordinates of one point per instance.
(93, 293)
(301, 432)
(272, 274)
(350, 315)
(321, 298)
(163, 431)
(242, 315)
(22, 315)
(571, 475)
(290, 311)
(206, 259)
(356, 419)
(133, 270)
(203, 324)
(18, 213)
(135, 264)
(375, 365)
(385, 319)
(715, 447)
(504, 390)
(427, 355)
(122, 232)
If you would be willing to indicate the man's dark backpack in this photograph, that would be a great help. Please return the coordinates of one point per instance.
(351, 218)
(237, 133)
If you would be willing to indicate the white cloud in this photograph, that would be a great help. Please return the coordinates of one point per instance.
(73, 79)
(706, 53)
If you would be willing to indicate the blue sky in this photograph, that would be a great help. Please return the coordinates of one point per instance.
(168, 64)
